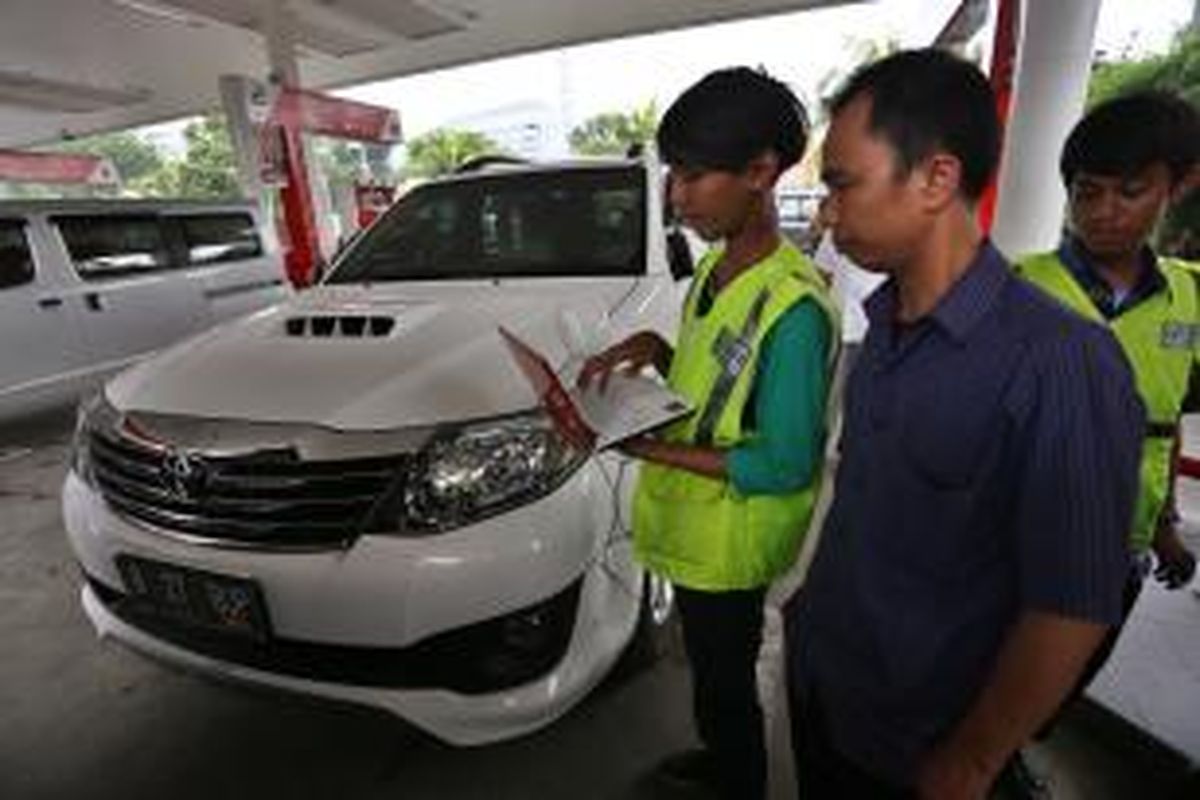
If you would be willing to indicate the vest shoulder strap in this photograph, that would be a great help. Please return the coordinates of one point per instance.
(734, 355)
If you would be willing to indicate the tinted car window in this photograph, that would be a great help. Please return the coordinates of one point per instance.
(113, 245)
(572, 223)
(16, 263)
(216, 238)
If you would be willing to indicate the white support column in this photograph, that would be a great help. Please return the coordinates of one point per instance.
(1053, 64)
(279, 29)
(246, 104)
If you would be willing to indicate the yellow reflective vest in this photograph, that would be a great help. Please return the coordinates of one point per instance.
(697, 531)
(1160, 336)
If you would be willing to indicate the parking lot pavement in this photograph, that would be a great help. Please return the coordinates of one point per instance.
(84, 718)
(1153, 678)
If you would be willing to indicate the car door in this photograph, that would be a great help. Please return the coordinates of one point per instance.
(41, 352)
(224, 250)
(134, 296)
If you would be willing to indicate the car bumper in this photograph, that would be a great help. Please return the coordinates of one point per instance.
(387, 594)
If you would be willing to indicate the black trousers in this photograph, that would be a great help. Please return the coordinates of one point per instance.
(722, 633)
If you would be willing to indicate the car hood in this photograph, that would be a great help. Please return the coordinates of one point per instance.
(353, 358)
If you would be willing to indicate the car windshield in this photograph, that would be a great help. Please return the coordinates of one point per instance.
(571, 223)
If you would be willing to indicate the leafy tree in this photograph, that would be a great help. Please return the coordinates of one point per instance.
(339, 160)
(614, 132)
(134, 157)
(442, 150)
(1176, 71)
(209, 169)
(206, 171)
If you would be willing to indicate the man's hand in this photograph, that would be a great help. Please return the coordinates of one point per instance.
(635, 446)
(1039, 662)
(707, 461)
(629, 356)
(1175, 565)
(948, 774)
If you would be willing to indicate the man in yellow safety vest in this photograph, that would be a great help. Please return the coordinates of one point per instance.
(725, 495)
(1122, 165)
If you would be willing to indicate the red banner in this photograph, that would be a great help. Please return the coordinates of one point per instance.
(27, 167)
(325, 115)
(1004, 65)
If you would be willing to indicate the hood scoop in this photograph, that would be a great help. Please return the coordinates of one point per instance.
(339, 326)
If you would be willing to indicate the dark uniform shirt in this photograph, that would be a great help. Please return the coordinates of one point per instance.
(989, 467)
(1109, 302)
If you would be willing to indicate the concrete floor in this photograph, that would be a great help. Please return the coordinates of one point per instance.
(1153, 677)
(80, 718)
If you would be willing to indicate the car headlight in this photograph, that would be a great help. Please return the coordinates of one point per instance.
(468, 473)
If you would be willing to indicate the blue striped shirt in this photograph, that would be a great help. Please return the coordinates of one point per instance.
(989, 467)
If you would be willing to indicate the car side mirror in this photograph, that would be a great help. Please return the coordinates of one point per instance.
(679, 255)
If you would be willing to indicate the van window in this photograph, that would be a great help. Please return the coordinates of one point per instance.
(113, 245)
(572, 223)
(16, 263)
(216, 238)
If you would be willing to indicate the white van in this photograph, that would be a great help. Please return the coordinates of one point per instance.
(87, 287)
(356, 495)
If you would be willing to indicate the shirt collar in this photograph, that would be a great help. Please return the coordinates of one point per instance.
(1082, 266)
(967, 302)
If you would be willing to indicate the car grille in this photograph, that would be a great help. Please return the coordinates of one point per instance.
(270, 498)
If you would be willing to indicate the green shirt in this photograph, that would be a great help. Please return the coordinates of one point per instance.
(788, 406)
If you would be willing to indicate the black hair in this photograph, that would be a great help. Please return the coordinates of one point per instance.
(1125, 135)
(923, 101)
(729, 118)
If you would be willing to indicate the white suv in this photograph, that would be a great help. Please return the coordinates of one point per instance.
(354, 495)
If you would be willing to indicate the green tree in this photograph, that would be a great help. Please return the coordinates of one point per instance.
(1176, 71)
(134, 157)
(614, 132)
(340, 161)
(206, 171)
(442, 150)
(209, 169)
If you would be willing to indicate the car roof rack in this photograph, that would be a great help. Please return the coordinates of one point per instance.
(483, 162)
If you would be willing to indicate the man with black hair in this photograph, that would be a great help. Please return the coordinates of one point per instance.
(725, 496)
(974, 554)
(1122, 166)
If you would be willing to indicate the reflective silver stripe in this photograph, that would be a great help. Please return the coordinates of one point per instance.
(733, 353)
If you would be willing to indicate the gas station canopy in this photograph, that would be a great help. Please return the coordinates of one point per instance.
(72, 67)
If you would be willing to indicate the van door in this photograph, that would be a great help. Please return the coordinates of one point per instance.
(40, 349)
(133, 296)
(224, 251)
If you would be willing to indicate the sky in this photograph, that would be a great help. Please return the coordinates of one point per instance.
(801, 49)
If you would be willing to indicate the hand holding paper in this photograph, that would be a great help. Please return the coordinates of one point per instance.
(597, 417)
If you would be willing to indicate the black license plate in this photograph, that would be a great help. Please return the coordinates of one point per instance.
(195, 598)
